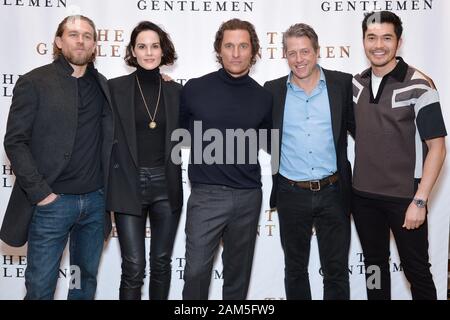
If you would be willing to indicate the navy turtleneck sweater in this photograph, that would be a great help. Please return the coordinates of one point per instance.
(223, 102)
(150, 142)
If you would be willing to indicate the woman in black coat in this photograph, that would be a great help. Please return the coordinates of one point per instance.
(143, 180)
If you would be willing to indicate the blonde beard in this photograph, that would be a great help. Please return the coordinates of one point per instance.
(81, 61)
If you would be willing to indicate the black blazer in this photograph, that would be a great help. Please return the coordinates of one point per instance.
(339, 86)
(39, 138)
(123, 195)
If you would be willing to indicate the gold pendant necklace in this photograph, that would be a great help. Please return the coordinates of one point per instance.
(152, 123)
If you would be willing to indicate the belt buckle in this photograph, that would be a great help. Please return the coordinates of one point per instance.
(314, 185)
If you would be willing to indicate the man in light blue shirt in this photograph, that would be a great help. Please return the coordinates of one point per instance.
(307, 148)
(313, 109)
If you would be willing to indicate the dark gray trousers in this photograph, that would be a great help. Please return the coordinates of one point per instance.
(216, 213)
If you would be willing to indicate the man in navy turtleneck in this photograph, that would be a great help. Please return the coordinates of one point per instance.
(225, 199)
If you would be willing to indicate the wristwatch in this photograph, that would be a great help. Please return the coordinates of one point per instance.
(420, 203)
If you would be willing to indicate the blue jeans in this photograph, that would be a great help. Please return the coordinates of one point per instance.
(80, 216)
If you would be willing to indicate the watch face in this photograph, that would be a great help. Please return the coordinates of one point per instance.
(420, 203)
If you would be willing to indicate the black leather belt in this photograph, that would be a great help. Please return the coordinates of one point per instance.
(315, 185)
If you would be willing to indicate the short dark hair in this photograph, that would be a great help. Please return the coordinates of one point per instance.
(167, 47)
(62, 27)
(383, 17)
(237, 24)
(301, 30)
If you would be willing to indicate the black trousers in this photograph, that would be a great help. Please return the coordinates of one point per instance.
(131, 232)
(373, 220)
(216, 213)
(298, 211)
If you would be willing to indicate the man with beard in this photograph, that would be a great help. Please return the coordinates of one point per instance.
(59, 139)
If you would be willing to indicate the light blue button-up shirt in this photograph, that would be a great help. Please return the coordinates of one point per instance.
(307, 146)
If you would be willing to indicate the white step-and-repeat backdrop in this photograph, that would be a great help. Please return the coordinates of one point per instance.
(27, 29)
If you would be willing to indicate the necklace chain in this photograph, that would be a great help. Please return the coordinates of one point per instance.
(152, 124)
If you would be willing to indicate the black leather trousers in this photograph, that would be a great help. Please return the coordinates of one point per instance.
(132, 231)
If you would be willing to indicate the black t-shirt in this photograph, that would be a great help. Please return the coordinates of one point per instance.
(83, 173)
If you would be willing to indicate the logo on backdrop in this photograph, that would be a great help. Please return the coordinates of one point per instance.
(7, 82)
(358, 268)
(179, 263)
(267, 227)
(389, 5)
(272, 48)
(35, 3)
(110, 43)
(13, 266)
(7, 176)
(196, 5)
